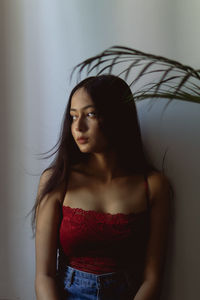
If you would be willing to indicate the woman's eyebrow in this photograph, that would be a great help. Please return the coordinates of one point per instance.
(85, 107)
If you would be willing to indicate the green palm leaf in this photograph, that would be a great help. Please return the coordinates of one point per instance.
(174, 80)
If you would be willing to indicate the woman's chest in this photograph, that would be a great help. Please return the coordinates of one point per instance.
(122, 195)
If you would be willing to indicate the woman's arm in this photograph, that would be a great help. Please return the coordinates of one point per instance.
(47, 228)
(159, 219)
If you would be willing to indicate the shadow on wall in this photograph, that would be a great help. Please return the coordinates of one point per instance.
(6, 218)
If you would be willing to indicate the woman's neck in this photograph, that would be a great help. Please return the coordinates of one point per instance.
(104, 166)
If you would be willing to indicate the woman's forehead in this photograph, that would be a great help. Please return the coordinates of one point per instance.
(81, 99)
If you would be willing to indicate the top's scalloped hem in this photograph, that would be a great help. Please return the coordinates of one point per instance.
(77, 209)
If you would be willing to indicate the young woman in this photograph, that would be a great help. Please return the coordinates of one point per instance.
(100, 204)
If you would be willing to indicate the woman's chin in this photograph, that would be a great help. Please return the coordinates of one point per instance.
(85, 149)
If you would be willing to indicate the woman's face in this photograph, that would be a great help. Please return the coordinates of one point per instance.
(85, 124)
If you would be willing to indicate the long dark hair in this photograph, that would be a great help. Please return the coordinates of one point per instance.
(115, 105)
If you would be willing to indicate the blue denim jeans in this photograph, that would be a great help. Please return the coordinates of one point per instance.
(80, 285)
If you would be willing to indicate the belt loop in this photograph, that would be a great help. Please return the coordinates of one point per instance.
(70, 278)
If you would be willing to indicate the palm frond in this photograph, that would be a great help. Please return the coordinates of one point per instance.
(174, 80)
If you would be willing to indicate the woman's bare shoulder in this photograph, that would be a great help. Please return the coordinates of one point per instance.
(46, 174)
(159, 185)
(157, 176)
(44, 177)
(56, 194)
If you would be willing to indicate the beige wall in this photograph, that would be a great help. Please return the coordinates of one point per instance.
(40, 43)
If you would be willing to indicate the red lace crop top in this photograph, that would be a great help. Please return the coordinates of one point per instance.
(98, 242)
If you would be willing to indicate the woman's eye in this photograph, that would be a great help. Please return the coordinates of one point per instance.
(73, 118)
(91, 114)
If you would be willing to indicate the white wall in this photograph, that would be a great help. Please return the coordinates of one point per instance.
(41, 40)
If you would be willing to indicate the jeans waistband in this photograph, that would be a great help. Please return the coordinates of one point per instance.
(99, 279)
(86, 275)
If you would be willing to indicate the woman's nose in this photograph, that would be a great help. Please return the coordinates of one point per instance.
(81, 124)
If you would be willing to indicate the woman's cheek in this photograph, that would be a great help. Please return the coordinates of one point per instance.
(72, 131)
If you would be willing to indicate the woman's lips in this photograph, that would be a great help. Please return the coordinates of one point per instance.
(82, 140)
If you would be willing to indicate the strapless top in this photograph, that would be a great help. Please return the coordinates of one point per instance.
(99, 242)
